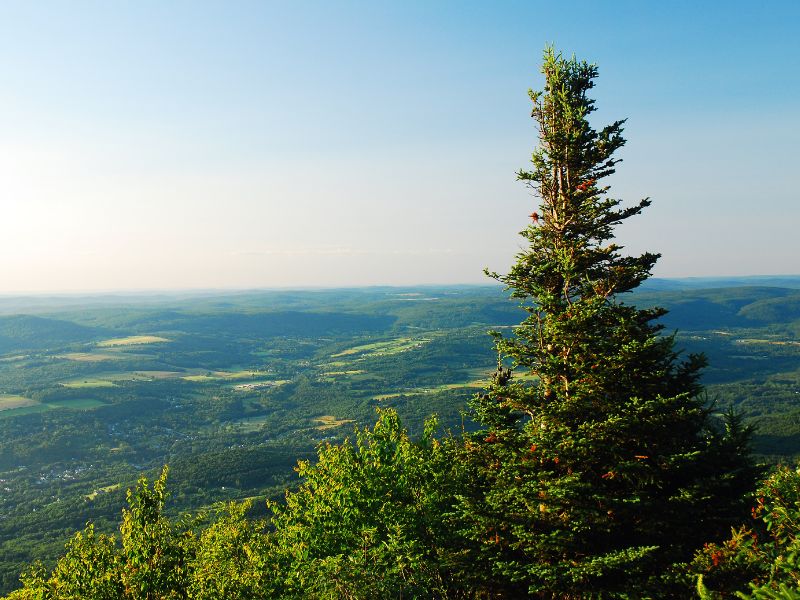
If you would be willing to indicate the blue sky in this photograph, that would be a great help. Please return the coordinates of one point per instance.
(155, 145)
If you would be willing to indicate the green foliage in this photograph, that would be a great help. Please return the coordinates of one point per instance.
(153, 552)
(149, 565)
(90, 569)
(607, 467)
(368, 520)
(765, 556)
(233, 558)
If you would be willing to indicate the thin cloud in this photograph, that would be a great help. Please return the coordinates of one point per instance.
(342, 251)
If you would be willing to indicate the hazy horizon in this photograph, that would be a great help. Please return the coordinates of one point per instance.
(794, 279)
(256, 145)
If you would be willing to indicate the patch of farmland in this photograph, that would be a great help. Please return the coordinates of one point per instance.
(25, 410)
(110, 379)
(200, 378)
(469, 384)
(390, 396)
(765, 341)
(255, 385)
(89, 382)
(221, 376)
(103, 490)
(384, 348)
(132, 340)
(11, 401)
(90, 356)
(76, 403)
(340, 373)
(149, 375)
(249, 424)
(329, 422)
(14, 358)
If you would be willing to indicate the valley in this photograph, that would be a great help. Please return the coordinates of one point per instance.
(231, 389)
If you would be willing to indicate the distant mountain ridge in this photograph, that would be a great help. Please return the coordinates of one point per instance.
(26, 332)
(686, 283)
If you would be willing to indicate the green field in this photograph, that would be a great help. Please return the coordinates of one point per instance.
(384, 348)
(24, 410)
(90, 382)
(109, 379)
(149, 375)
(249, 424)
(380, 397)
(477, 385)
(90, 356)
(11, 402)
(265, 383)
(77, 403)
(103, 490)
(221, 376)
(477, 378)
(329, 422)
(338, 373)
(200, 378)
(131, 340)
(12, 405)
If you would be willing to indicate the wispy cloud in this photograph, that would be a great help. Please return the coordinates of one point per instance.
(342, 251)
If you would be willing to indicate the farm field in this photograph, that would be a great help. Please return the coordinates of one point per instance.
(330, 422)
(11, 406)
(222, 376)
(132, 340)
(232, 389)
(384, 348)
(90, 356)
(10, 402)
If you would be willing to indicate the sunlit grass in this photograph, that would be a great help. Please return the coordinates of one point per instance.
(88, 383)
(89, 356)
(254, 385)
(103, 490)
(329, 422)
(475, 384)
(384, 348)
(77, 403)
(11, 401)
(221, 376)
(132, 340)
(350, 372)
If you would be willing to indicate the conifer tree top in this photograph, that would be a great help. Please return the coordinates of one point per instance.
(570, 232)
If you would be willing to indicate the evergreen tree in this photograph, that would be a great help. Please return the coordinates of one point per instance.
(605, 465)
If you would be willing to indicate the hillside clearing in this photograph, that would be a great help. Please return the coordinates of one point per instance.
(132, 340)
(329, 422)
(89, 356)
(11, 401)
(384, 348)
